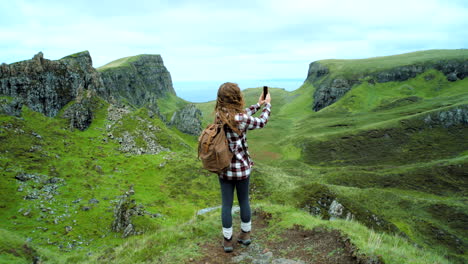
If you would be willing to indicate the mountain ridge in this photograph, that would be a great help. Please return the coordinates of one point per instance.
(334, 78)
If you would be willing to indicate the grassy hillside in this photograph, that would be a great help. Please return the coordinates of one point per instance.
(374, 151)
(392, 154)
(88, 165)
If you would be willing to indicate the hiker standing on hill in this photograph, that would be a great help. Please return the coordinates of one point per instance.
(230, 110)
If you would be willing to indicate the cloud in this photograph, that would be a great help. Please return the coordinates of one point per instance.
(206, 40)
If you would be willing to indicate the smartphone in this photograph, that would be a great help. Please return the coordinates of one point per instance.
(265, 91)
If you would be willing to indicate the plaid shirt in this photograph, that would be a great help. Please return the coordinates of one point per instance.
(241, 162)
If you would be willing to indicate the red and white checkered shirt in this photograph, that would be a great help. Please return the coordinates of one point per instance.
(241, 162)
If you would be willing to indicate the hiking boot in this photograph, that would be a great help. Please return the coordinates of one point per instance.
(244, 238)
(228, 245)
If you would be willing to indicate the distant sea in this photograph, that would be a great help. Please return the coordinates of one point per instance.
(204, 91)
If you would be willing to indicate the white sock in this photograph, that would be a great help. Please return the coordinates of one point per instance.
(246, 227)
(227, 232)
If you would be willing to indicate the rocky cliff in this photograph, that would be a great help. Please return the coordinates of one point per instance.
(138, 80)
(332, 85)
(46, 86)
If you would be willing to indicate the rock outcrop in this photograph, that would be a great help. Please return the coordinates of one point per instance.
(331, 87)
(448, 118)
(126, 209)
(187, 120)
(11, 107)
(46, 86)
(138, 80)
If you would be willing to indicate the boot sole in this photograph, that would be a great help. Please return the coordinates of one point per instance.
(244, 242)
(228, 249)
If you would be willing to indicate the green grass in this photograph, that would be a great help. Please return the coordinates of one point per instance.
(122, 62)
(169, 104)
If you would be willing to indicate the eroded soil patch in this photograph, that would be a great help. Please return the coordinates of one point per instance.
(293, 246)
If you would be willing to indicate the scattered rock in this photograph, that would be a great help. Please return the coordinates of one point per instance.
(93, 201)
(452, 77)
(54, 180)
(68, 229)
(36, 135)
(24, 176)
(98, 169)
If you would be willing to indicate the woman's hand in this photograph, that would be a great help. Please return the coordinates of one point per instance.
(266, 101)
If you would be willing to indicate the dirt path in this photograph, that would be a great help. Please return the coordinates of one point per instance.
(293, 246)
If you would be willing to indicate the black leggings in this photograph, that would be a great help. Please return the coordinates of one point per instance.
(227, 195)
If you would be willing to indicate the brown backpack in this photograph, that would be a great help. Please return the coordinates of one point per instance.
(213, 148)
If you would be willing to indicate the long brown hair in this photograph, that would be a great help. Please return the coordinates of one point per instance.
(229, 103)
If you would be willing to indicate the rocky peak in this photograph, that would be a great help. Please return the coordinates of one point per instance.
(82, 59)
(138, 80)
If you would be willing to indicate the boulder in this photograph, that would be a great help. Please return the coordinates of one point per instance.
(187, 120)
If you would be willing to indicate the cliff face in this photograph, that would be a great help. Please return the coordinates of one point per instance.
(331, 86)
(138, 80)
(46, 86)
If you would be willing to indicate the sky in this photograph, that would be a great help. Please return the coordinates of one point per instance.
(230, 40)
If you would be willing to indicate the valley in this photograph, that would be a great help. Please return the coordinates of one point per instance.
(376, 149)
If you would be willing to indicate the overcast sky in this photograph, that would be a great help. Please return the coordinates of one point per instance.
(230, 40)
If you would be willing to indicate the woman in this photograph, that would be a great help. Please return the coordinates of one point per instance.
(229, 109)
